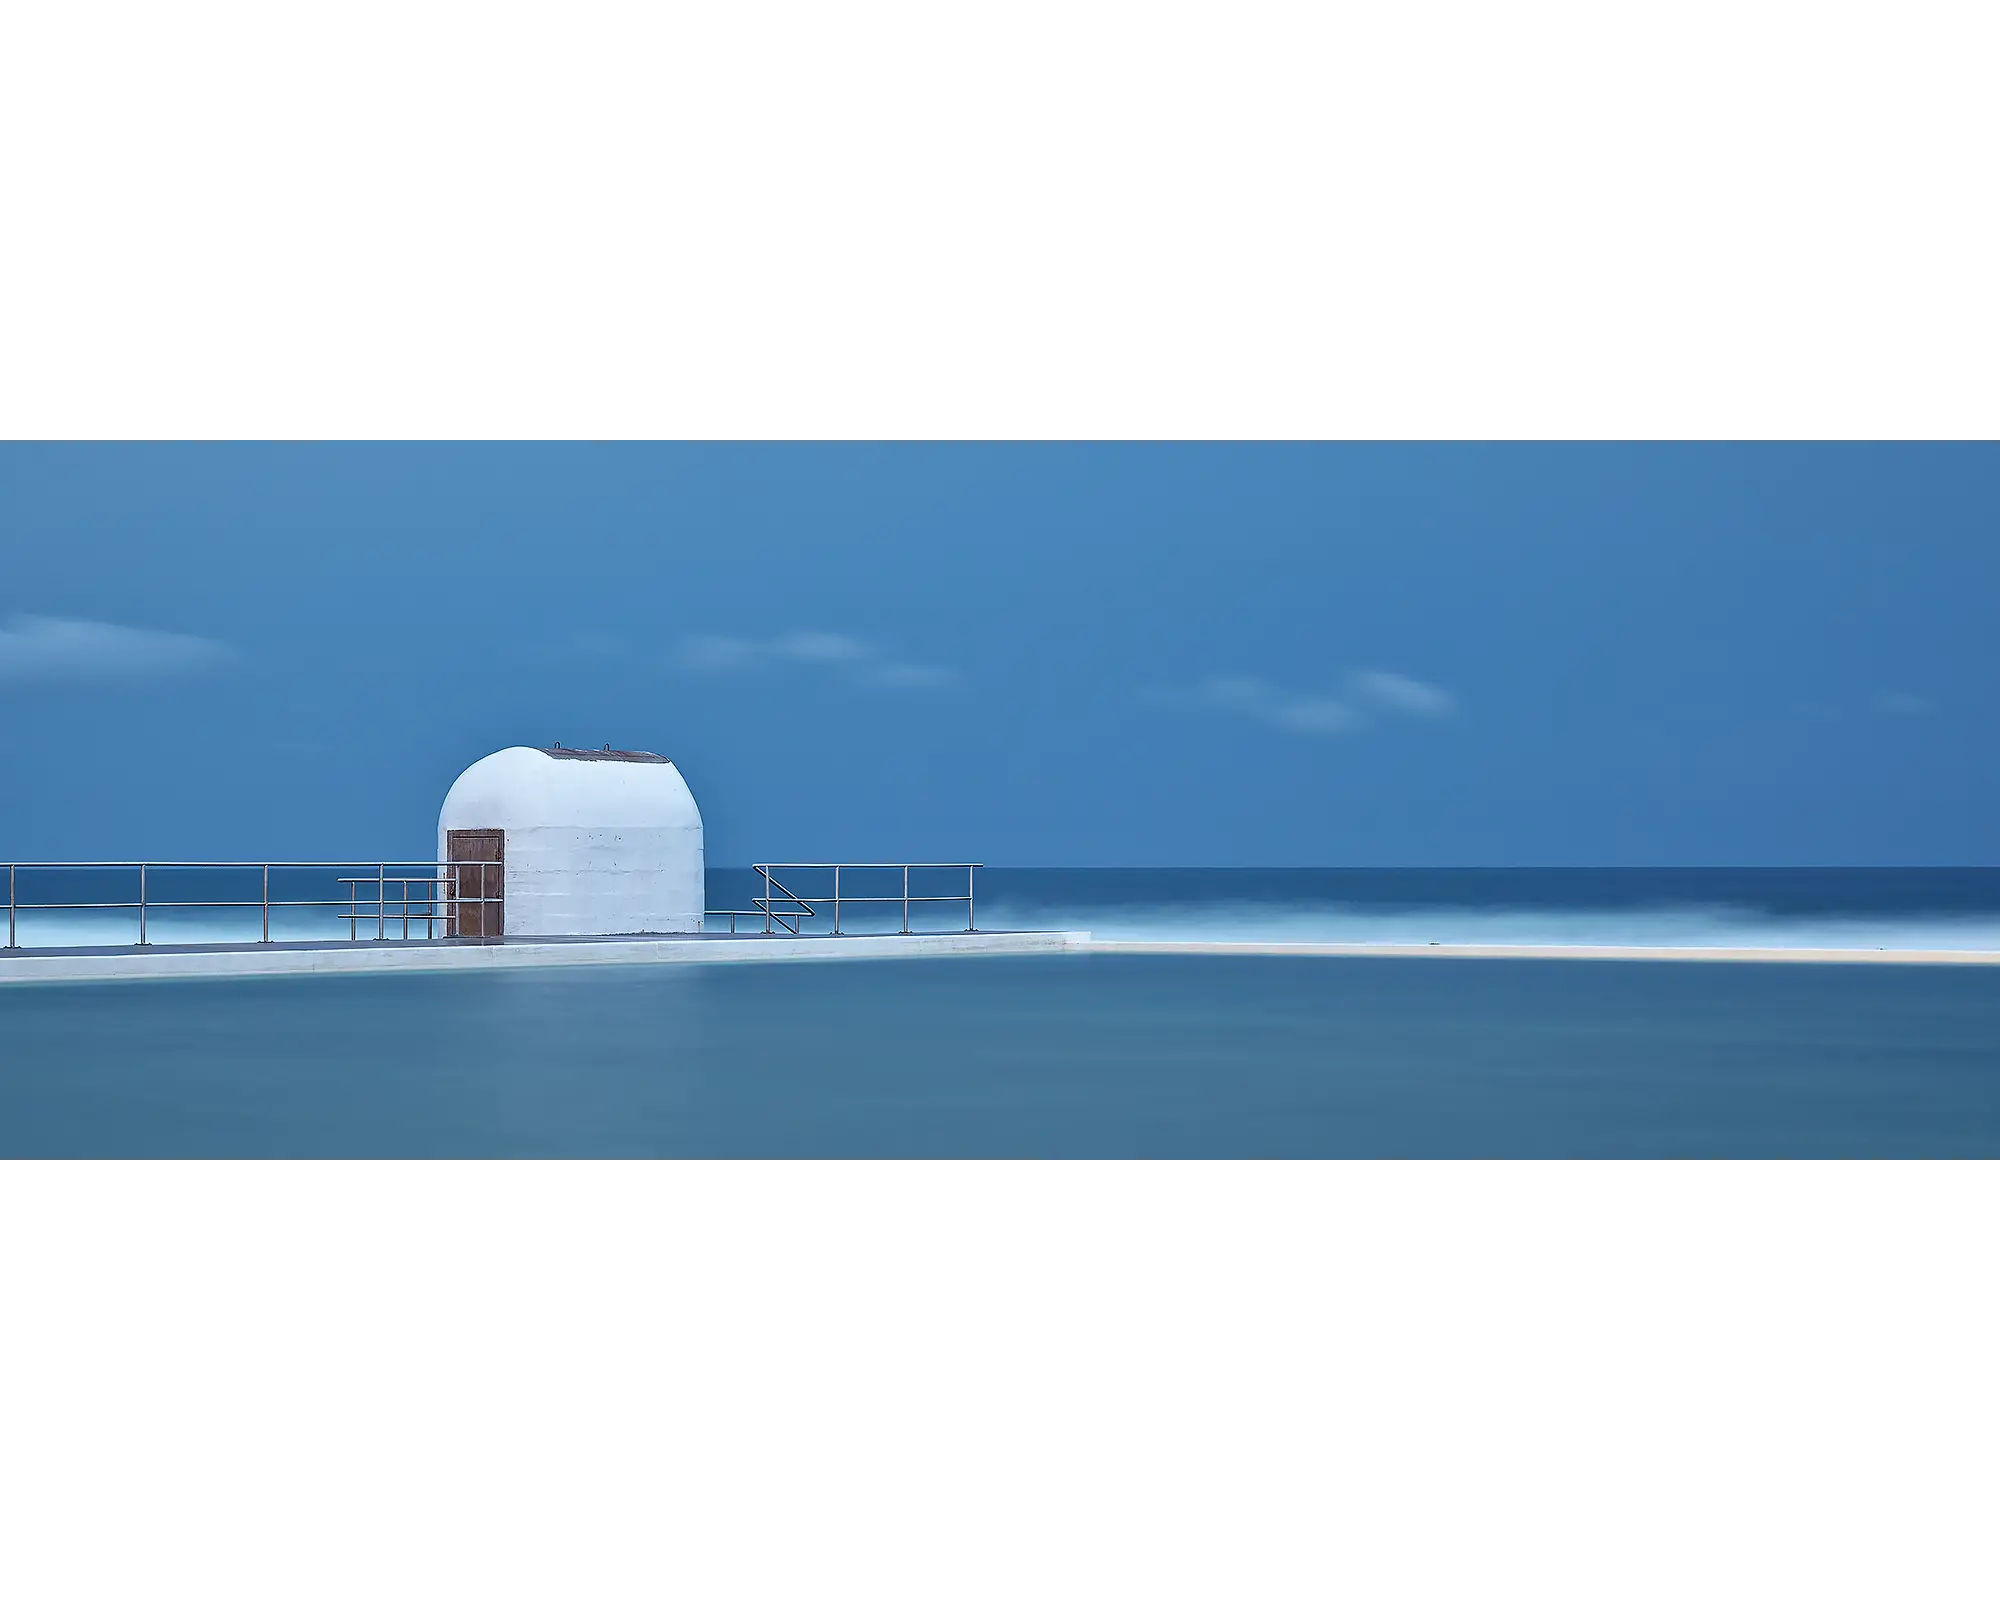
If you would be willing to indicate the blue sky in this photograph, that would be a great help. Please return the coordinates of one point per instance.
(1066, 654)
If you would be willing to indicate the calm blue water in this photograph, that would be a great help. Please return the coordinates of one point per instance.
(1086, 1056)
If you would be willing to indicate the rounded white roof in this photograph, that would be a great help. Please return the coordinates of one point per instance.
(522, 787)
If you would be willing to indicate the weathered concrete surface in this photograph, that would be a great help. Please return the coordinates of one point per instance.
(253, 960)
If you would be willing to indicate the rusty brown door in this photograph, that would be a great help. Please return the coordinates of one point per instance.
(477, 882)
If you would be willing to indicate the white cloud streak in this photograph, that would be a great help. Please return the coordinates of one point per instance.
(74, 650)
(1391, 691)
(1262, 702)
(1364, 697)
(855, 659)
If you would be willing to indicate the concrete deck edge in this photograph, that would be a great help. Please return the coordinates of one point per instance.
(281, 961)
(1560, 952)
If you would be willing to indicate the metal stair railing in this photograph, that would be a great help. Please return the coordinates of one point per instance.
(799, 909)
(790, 913)
(766, 905)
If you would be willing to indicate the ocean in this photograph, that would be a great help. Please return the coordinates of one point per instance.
(1103, 1055)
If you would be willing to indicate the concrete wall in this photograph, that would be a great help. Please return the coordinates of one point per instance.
(593, 847)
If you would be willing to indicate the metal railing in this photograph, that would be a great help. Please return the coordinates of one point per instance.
(399, 896)
(782, 908)
(396, 899)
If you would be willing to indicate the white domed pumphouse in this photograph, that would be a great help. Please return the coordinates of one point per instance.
(582, 841)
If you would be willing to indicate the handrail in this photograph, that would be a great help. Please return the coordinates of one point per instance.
(797, 924)
(43, 866)
(440, 882)
(438, 886)
(801, 905)
(861, 866)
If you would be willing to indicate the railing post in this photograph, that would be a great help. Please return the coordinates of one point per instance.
(381, 900)
(10, 906)
(766, 873)
(142, 902)
(353, 911)
(267, 903)
(906, 899)
(971, 922)
(836, 900)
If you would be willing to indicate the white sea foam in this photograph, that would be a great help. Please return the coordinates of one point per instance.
(1239, 922)
(1692, 926)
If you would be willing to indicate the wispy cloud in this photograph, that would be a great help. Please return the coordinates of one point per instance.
(1895, 703)
(1363, 697)
(74, 650)
(1263, 702)
(1391, 691)
(854, 659)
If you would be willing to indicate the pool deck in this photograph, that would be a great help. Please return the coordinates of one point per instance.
(98, 963)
